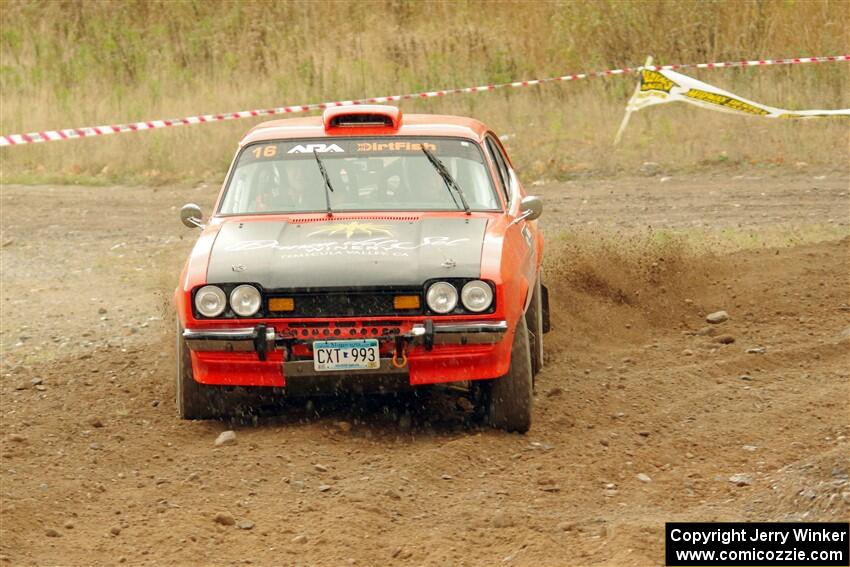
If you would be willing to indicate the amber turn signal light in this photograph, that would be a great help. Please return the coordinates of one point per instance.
(282, 304)
(406, 302)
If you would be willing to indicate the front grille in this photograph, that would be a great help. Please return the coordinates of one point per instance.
(345, 303)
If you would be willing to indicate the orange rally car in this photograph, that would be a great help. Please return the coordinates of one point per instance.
(365, 249)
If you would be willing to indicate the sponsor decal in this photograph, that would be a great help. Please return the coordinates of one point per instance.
(813, 113)
(379, 246)
(319, 148)
(352, 228)
(727, 101)
(650, 94)
(395, 147)
(654, 81)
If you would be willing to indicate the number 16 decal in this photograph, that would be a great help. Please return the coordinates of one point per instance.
(264, 151)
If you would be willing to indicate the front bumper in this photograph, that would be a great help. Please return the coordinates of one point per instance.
(265, 355)
(263, 339)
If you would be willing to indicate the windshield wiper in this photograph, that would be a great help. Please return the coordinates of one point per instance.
(328, 187)
(451, 184)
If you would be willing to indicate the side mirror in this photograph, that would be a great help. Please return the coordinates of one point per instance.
(531, 208)
(192, 216)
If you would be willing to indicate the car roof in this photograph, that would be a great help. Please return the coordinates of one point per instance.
(411, 125)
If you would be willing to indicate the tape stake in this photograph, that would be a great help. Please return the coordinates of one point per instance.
(628, 115)
(88, 131)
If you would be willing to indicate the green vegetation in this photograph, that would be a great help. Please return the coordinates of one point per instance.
(72, 63)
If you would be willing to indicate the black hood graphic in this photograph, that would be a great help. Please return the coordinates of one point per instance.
(346, 253)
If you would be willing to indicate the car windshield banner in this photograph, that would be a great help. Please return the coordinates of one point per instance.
(365, 147)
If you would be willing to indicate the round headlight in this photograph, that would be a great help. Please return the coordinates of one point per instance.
(441, 297)
(210, 301)
(476, 296)
(245, 300)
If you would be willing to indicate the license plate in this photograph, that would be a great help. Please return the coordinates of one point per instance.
(361, 354)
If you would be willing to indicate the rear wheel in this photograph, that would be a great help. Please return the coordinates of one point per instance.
(194, 400)
(510, 398)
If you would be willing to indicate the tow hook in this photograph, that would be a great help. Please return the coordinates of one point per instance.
(400, 347)
(429, 334)
(260, 341)
(264, 340)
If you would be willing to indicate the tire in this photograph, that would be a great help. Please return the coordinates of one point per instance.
(534, 321)
(194, 400)
(511, 397)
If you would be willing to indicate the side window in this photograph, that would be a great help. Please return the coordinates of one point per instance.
(501, 167)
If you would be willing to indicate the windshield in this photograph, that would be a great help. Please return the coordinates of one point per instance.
(366, 174)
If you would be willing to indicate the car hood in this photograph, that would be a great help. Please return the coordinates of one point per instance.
(346, 253)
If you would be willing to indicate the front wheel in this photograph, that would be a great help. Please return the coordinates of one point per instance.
(536, 325)
(194, 400)
(510, 398)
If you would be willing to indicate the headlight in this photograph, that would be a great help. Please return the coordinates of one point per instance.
(476, 296)
(441, 297)
(245, 300)
(210, 301)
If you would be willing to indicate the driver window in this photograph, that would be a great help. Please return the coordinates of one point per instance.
(502, 168)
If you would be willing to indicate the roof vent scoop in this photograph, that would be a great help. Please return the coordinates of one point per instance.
(366, 116)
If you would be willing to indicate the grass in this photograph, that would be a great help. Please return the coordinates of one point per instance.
(89, 63)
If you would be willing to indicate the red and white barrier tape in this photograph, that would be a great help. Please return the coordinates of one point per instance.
(73, 133)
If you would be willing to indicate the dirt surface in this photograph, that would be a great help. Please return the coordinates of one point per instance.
(643, 412)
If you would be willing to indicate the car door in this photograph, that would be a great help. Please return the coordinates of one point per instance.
(521, 236)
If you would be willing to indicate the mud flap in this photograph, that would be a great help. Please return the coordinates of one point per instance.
(544, 299)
